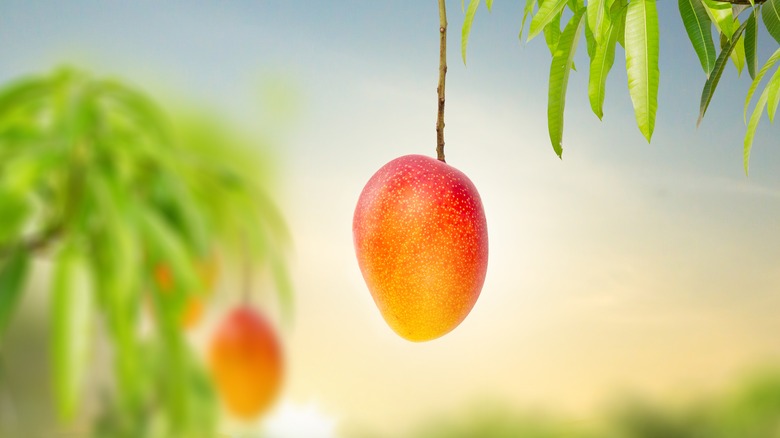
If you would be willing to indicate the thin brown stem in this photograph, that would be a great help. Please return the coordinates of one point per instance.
(442, 74)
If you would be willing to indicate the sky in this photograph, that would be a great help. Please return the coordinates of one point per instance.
(625, 266)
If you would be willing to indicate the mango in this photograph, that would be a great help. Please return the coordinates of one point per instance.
(421, 242)
(246, 363)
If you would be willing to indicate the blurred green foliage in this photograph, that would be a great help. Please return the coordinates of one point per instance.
(751, 409)
(97, 179)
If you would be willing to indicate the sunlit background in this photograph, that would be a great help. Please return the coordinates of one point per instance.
(622, 270)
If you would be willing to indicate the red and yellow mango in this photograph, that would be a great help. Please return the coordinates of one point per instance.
(421, 241)
(246, 363)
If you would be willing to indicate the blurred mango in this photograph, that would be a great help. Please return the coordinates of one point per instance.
(246, 363)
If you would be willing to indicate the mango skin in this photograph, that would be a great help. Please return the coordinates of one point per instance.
(421, 242)
(246, 362)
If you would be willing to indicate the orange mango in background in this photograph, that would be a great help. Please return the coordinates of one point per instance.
(421, 241)
(246, 363)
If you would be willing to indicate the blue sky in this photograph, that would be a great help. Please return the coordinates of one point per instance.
(603, 264)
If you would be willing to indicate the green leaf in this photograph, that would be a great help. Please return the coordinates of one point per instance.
(71, 325)
(559, 79)
(552, 33)
(184, 213)
(619, 9)
(642, 62)
(489, 4)
(600, 65)
(770, 12)
(119, 270)
(752, 125)
(22, 93)
(697, 24)
(464, 39)
(590, 41)
(169, 248)
(529, 8)
(738, 55)
(751, 45)
(773, 96)
(598, 18)
(717, 71)
(717, 5)
(547, 12)
(283, 284)
(722, 16)
(148, 117)
(12, 275)
(769, 64)
(14, 211)
(176, 375)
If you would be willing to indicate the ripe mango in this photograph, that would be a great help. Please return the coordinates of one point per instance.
(421, 241)
(246, 363)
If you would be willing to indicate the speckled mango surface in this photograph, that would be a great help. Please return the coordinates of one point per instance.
(421, 241)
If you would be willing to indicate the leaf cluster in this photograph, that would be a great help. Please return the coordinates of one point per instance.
(633, 24)
(96, 178)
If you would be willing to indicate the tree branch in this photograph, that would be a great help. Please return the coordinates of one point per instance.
(34, 243)
(442, 74)
(742, 2)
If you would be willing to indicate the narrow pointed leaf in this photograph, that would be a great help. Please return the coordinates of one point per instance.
(600, 65)
(590, 40)
(619, 9)
(20, 91)
(14, 211)
(71, 324)
(697, 24)
(546, 13)
(552, 33)
(760, 75)
(642, 62)
(529, 8)
(559, 79)
(722, 17)
(738, 55)
(770, 12)
(773, 96)
(717, 5)
(752, 125)
(751, 45)
(717, 71)
(168, 248)
(13, 272)
(464, 39)
(597, 15)
(489, 4)
(121, 269)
